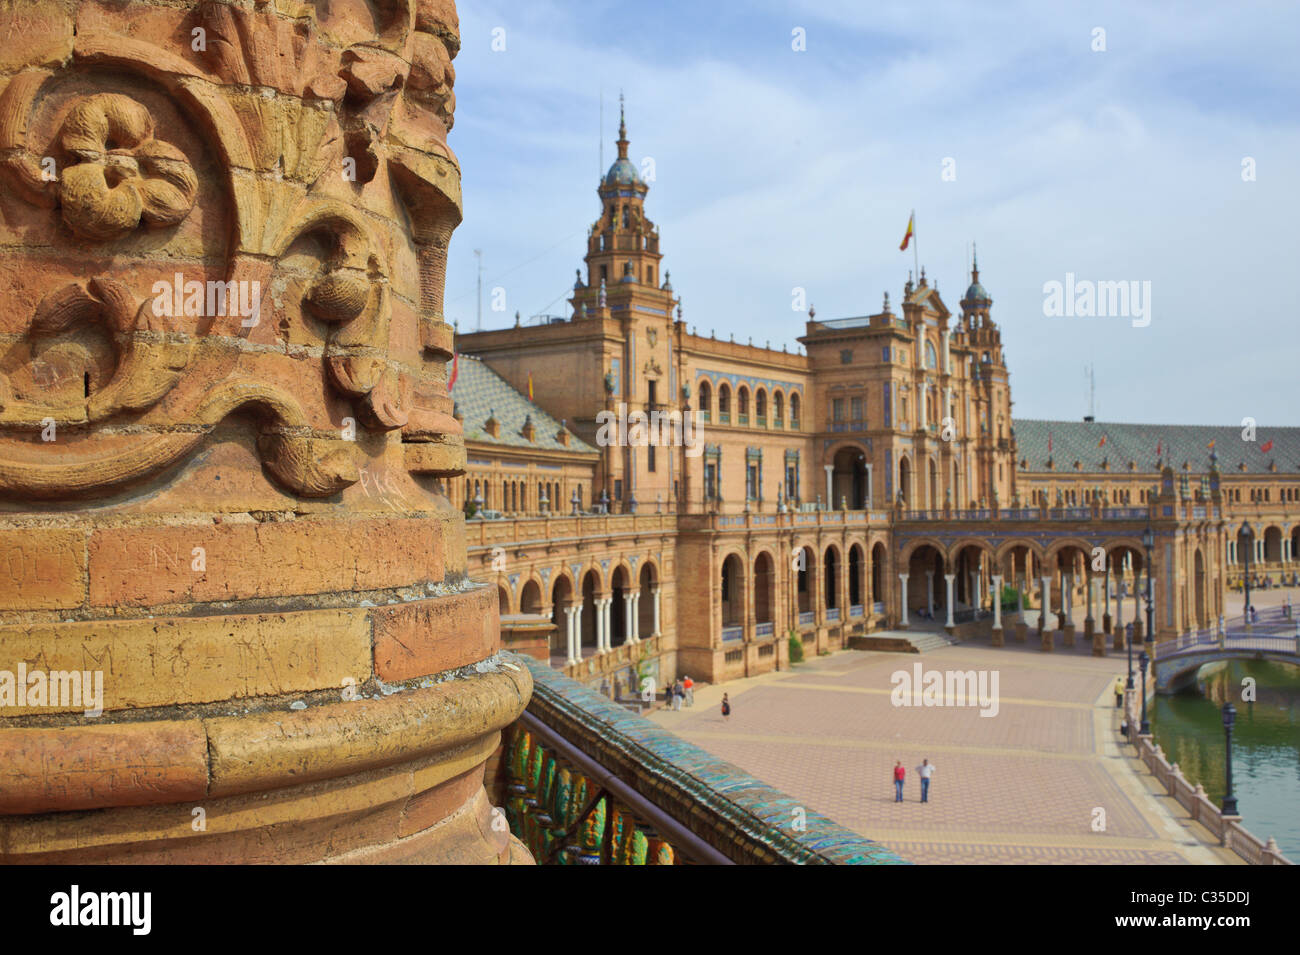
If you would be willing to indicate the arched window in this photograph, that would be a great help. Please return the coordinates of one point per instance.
(760, 405)
(742, 400)
(931, 359)
(706, 400)
(778, 406)
(724, 403)
(794, 411)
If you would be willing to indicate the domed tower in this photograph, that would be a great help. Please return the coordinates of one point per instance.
(623, 245)
(991, 388)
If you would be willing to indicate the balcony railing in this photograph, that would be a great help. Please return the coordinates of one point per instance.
(736, 632)
(763, 630)
(724, 417)
(832, 613)
(588, 782)
(806, 617)
(760, 420)
(855, 610)
(742, 419)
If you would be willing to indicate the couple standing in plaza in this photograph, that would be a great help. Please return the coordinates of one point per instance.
(924, 771)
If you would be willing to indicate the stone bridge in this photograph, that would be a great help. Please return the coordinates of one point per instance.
(1276, 639)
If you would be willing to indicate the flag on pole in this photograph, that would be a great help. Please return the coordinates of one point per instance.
(907, 237)
(530, 386)
(455, 370)
(1049, 444)
(1266, 447)
(1102, 442)
(1159, 445)
(1210, 446)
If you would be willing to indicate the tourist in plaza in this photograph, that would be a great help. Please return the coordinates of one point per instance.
(726, 707)
(1119, 691)
(689, 686)
(899, 774)
(925, 771)
(679, 692)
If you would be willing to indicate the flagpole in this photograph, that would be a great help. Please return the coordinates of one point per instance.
(916, 244)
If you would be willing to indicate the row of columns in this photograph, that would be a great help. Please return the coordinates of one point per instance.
(1257, 551)
(604, 632)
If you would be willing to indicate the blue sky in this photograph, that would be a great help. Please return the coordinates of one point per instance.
(777, 169)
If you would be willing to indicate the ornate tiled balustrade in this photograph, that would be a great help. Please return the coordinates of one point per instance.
(591, 783)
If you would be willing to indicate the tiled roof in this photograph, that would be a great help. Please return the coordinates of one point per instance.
(1078, 441)
(480, 392)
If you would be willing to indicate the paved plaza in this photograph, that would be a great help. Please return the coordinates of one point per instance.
(1024, 786)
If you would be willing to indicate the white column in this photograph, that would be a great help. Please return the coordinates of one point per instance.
(1067, 598)
(903, 619)
(929, 592)
(830, 480)
(950, 578)
(571, 636)
(627, 617)
(633, 633)
(947, 351)
(1046, 583)
(656, 593)
(997, 602)
(602, 631)
(609, 630)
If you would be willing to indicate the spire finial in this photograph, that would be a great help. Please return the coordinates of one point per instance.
(975, 264)
(622, 129)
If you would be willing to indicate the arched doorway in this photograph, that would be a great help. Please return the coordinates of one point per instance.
(645, 605)
(926, 590)
(561, 599)
(618, 608)
(830, 581)
(588, 631)
(855, 580)
(849, 479)
(905, 481)
(530, 598)
(733, 598)
(877, 575)
(804, 583)
(764, 595)
(1202, 617)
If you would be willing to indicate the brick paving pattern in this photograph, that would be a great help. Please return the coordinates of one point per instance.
(1021, 787)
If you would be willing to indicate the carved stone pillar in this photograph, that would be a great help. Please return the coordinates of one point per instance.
(224, 421)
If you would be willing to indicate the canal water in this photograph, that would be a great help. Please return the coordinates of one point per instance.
(1265, 743)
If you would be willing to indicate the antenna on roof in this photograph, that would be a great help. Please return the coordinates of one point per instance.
(1090, 373)
(601, 135)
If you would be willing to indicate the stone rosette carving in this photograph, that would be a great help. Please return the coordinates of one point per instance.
(290, 153)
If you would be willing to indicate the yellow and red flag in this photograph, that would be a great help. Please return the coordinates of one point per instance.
(907, 237)
(1210, 445)
(530, 386)
(1102, 442)
(1267, 446)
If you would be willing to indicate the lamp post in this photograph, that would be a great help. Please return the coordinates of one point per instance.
(1148, 541)
(1229, 800)
(1144, 728)
(1247, 532)
(1128, 636)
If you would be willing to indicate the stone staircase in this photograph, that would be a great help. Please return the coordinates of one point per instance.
(925, 641)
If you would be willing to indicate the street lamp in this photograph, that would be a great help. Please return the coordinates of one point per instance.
(1247, 532)
(1148, 540)
(1229, 800)
(1128, 636)
(1145, 728)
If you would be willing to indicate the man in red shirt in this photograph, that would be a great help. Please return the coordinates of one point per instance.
(899, 774)
(689, 685)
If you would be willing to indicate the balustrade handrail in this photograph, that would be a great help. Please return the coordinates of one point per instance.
(628, 749)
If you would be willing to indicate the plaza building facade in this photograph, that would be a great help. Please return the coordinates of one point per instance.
(692, 502)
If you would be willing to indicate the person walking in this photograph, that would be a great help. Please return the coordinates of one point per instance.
(925, 771)
(726, 707)
(899, 774)
(689, 686)
(1119, 692)
(678, 693)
